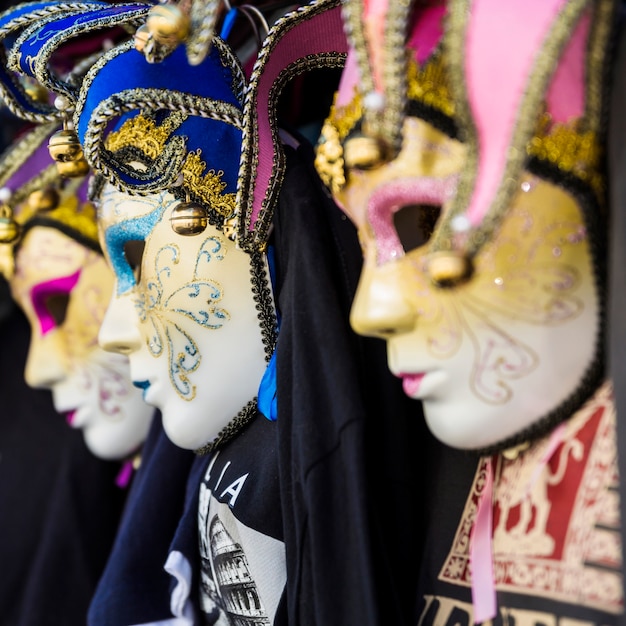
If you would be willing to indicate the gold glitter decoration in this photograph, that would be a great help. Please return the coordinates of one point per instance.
(79, 217)
(329, 159)
(142, 133)
(429, 84)
(570, 148)
(344, 118)
(208, 186)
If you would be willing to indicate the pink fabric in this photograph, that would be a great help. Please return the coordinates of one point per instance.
(349, 80)
(321, 33)
(42, 291)
(566, 94)
(427, 32)
(501, 43)
(423, 39)
(481, 554)
(125, 474)
(374, 13)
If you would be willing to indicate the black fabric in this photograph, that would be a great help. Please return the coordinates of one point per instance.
(616, 348)
(59, 505)
(134, 587)
(185, 537)
(351, 444)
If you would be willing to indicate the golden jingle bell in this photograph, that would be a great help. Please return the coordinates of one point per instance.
(189, 218)
(363, 152)
(66, 150)
(73, 169)
(168, 24)
(449, 268)
(9, 228)
(43, 199)
(141, 37)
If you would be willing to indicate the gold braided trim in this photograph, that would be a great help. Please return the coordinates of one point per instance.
(142, 133)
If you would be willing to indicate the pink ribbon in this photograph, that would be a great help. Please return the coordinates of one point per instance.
(481, 554)
(125, 474)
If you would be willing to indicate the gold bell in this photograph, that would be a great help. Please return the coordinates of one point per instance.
(66, 150)
(449, 268)
(230, 227)
(43, 199)
(363, 152)
(73, 169)
(189, 218)
(9, 228)
(168, 24)
(141, 37)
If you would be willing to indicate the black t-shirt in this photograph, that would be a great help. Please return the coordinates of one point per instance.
(240, 531)
(352, 446)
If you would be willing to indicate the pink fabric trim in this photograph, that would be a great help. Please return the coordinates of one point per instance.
(374, 14)
(40, 292)
(125, 474)
(566, 94)
(349, 80)
(427, 32)
(501, 43)
(424, 38)
(320, 33)
(481, 554)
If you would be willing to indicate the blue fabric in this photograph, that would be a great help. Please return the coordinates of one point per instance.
(185, 538)
(24, 8)
(13, 22)
(98, 18)
(266, 399)
(229, 22)
(219, 142)
(134, 587)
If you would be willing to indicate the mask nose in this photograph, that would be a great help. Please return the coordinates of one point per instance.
(46, 364)
(119, 331)
(380, 307)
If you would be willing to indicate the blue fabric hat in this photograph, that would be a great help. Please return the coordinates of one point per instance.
(20, 98)
(173, 116)
(32, 54)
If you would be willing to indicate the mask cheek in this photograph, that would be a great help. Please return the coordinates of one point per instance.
(47, 362)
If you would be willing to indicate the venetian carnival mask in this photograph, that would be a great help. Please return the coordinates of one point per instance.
(479, 212)
(62, 283)
(191, 310)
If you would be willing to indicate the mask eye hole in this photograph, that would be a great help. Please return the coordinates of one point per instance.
(415, 223)
(56, 305)
(133, 253)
